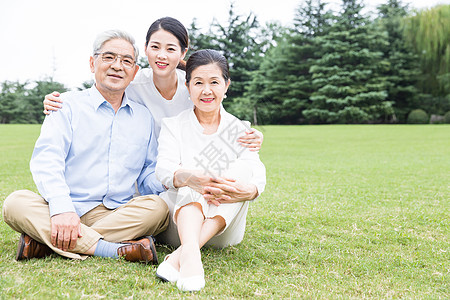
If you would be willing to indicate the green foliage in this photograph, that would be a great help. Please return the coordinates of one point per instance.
(428, 33)
(244, 108)
(238, 42)
(143, 62)
(36, 95)
(312, 19)
(88, 84)
(199, 40)
(418, 116)
(282, 86)
(334, 68)
(22, 102)
(348, 81)
(435, 104)
(241, 41)
(402, 70)
(447, 118)
(272, 88)
(12, 102)
(326, 67)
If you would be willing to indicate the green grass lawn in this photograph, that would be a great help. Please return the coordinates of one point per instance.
(348, 212)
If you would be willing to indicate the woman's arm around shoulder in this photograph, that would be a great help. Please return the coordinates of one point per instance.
(52, 102)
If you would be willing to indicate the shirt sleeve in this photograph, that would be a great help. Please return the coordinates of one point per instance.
(169, 155)
(258, 169)
(256, 165)
(147, 181)
(47, 163)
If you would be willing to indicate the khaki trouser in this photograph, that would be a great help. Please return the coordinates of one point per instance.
(27, 212)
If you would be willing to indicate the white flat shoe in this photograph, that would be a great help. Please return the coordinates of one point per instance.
(166, 272)
(191, 284)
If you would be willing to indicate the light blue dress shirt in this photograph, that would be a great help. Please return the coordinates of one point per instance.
(87, 154)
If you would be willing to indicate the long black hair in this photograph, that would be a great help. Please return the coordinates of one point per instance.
(175, 27)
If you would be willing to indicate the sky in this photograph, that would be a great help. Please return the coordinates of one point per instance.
(53, 38)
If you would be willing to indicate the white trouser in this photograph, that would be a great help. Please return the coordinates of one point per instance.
(234, 214)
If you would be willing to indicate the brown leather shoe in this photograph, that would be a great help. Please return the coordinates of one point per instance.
(29, 248)
(142, 249)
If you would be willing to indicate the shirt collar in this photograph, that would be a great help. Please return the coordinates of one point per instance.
(222, 112)
(98, 100)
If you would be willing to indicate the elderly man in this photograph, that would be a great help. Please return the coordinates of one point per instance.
(85, 164)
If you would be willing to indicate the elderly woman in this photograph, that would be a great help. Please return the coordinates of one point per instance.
(210, 176)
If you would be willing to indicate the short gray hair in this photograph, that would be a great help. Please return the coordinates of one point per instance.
(108, 35)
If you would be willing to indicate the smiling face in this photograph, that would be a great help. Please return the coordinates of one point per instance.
(113, 78)
(164, 52)
(207, 88)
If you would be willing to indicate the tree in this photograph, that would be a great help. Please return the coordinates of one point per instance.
(349, 87)
(11, 102)
(403, 71)
(21, 104)
(237, 40)
(35, 97)
(241, 41)
(142, 62)
(87, 84)
(428, 33)
(200, 40)
(257, 103)
(283, 85)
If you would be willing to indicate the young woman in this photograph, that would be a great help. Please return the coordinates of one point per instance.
(210, 176)
(161, 88)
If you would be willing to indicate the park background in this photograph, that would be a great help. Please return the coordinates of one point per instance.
(357, 203)
(331, 63)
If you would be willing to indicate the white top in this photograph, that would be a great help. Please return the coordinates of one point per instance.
(182, 144)
(143, 91)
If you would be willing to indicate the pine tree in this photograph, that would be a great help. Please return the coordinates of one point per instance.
(33, 100)
(200, 40)
(403, 69)
(251, 105)
(237, 42)
(12, 95)
(282, 85)
(349, 87)
(21, 104)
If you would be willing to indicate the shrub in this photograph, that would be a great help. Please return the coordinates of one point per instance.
(418, 116)
(447, 118)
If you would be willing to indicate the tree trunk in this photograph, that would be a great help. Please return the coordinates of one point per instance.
(255, 119)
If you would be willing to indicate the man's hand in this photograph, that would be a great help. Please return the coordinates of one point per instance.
(66, 229)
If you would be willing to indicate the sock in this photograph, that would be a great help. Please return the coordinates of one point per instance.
(107, 249)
